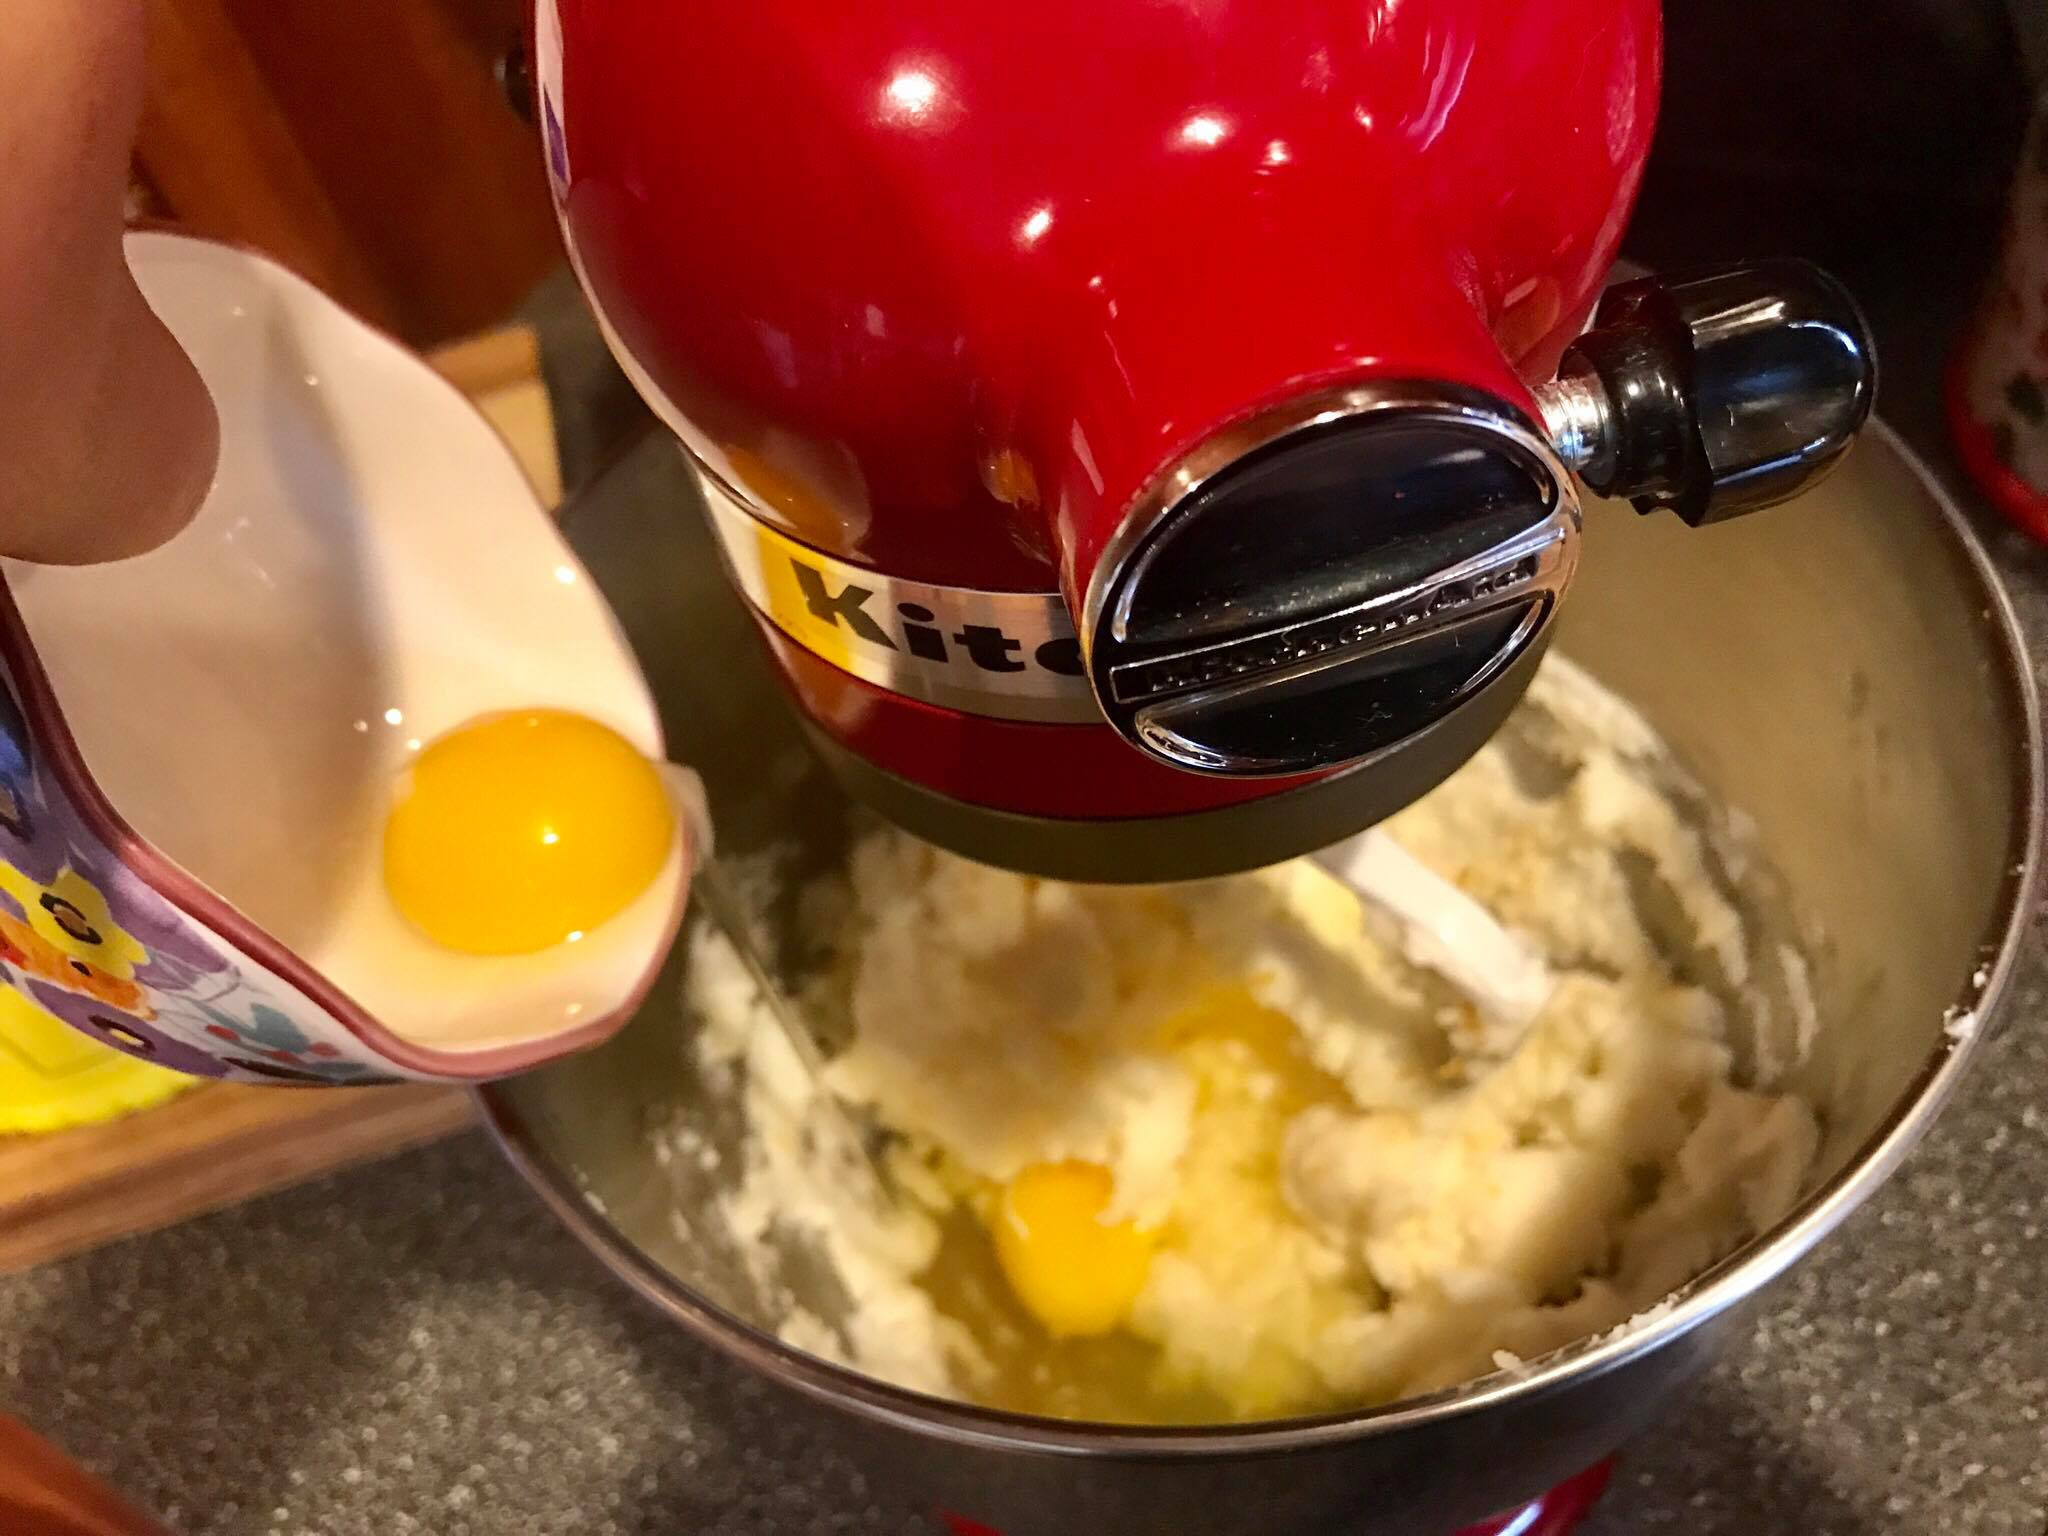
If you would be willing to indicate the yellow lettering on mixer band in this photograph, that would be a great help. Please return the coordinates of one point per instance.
(827, 615)
(1005, 654)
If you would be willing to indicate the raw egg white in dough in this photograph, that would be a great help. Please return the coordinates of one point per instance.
(1225, 1151)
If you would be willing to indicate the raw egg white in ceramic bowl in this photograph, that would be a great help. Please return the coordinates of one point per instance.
(365, 725)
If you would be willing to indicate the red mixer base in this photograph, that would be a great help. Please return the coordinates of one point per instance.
(2025, 504)
(1556, 1513)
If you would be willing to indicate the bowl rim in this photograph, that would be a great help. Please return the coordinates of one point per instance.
(1706, 1297)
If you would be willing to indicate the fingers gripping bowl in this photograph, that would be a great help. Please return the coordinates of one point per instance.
(1849, 679)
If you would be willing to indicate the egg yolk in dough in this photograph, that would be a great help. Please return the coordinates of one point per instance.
(519, 831)
(1075, 1272)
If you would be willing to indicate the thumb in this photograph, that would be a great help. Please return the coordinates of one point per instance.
(107, 436)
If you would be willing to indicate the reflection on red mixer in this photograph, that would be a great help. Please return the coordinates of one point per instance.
(1145, 432)
(962, 312)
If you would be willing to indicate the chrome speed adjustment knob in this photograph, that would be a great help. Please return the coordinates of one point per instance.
(1716, 392)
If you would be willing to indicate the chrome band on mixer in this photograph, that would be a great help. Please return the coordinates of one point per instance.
(1008, 655)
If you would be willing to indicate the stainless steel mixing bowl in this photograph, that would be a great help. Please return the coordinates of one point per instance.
(1846, 671)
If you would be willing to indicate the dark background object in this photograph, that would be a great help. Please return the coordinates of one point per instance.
(367, 145)
(1831, 129)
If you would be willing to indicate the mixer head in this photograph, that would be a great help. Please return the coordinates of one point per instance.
(1149, 473)
(1358, 586)
(1330, 583)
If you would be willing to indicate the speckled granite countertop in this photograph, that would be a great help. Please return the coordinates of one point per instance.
(415, 1347)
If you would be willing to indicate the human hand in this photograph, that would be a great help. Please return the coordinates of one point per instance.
(107, 436)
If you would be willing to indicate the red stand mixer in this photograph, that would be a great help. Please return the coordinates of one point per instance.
(1145, 432)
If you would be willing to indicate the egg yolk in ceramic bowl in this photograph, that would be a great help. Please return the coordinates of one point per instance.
(516, 832)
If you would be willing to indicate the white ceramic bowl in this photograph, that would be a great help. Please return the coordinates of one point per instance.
(199, 746)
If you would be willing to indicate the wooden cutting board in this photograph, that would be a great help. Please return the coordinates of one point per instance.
(223, 1143)
(213, 1146)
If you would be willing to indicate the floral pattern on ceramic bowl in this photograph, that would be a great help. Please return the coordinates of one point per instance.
(198, 747)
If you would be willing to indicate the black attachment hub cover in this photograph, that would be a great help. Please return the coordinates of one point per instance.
(1726, 390)
(1337, 589)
